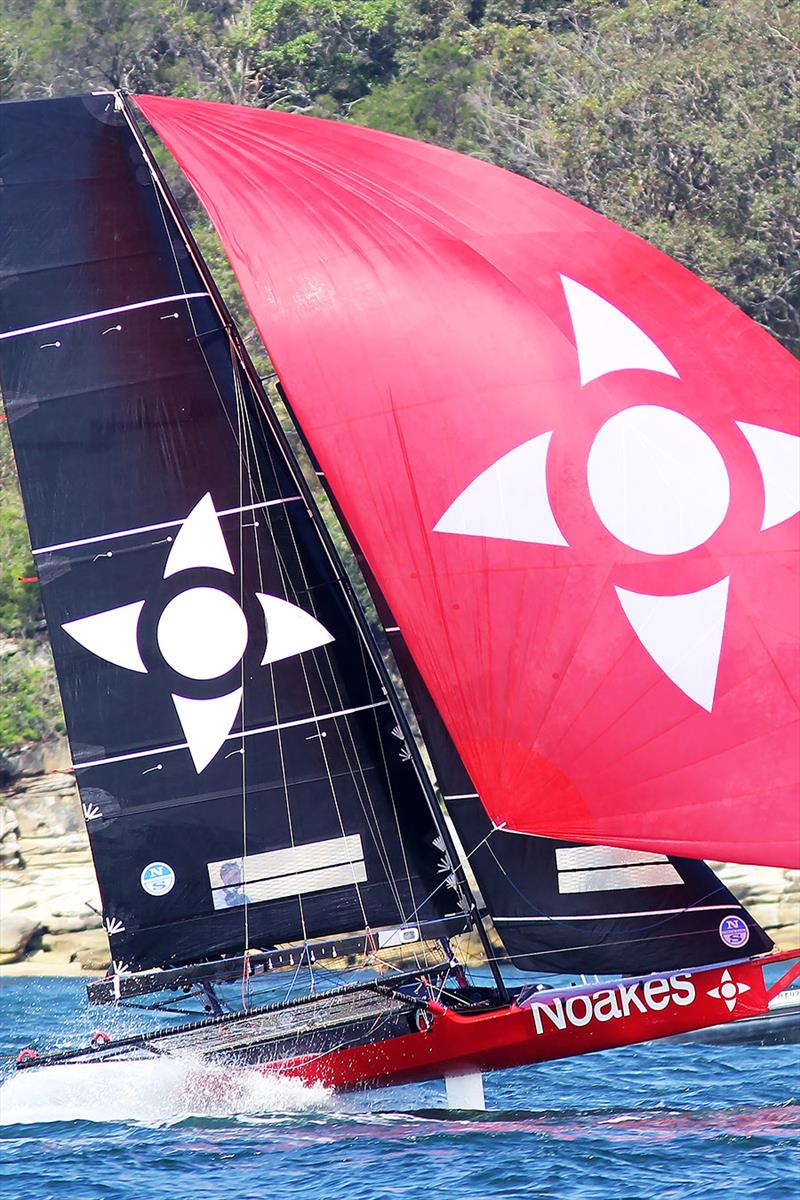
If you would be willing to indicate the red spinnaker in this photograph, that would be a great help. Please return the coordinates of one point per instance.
(572, 466)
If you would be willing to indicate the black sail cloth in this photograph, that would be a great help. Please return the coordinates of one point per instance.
(203, 643)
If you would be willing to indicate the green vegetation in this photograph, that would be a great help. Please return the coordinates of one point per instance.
(680, 119)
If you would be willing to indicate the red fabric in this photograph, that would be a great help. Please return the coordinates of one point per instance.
(411, 302)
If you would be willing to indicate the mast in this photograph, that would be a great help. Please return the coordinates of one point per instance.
(239, 350)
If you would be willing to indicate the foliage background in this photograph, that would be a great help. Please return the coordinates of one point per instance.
(679, 119)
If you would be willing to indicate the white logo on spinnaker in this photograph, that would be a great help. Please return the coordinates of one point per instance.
(658, 484)
(202, 633)
(612, 1004)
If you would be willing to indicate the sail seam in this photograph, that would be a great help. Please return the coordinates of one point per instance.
(345, 712)
(121, 533)
(101, 312)
(651, 912)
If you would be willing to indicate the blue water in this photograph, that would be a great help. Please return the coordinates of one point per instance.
(657, 1121)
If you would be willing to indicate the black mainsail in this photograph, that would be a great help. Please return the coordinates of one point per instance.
(241, 768)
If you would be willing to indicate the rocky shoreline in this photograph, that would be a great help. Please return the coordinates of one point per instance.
(50, 908)
(49, 903)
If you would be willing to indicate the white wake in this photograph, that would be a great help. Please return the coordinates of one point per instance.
(151, 1092)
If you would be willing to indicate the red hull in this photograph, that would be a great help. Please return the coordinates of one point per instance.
(553, 1024)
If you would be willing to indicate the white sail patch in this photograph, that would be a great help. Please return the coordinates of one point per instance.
(206, 724)
(683, 635)
(111, 635)
(778, 457)
(508, 500)
(199, 542)
(290, 630)
(606, 340)
(583, 869)
(292, 871)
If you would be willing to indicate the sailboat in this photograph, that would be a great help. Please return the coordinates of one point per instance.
(567, 469)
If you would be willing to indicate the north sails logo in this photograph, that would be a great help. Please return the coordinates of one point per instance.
(658, 484)
(202, 634)
(612, 1004)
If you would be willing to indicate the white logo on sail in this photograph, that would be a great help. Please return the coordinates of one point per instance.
(202, 633)
(658, 483)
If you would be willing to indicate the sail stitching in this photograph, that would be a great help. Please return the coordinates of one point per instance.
(103, 312)
(122, 533)
(345, 712)
(650, 912)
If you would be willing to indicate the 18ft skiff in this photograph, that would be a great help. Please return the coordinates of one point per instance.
(577, 517)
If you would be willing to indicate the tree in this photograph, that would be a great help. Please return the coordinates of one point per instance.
(677, 119)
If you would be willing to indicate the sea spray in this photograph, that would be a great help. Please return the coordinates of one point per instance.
(151, 1092)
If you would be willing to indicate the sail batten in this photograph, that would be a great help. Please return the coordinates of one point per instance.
(445, 339)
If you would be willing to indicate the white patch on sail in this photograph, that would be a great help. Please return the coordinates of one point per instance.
(290, 630)
(607, 340)
(683, 635)
(778, 457)
(508, 500)
(199, 542)
(584, 869)
(616, 879)
(292, 871)
(111, 635)
(577, 858)
(206, 724)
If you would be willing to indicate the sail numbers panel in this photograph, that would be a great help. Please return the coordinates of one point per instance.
(204, 646)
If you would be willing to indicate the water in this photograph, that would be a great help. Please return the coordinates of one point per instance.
(654, 1121)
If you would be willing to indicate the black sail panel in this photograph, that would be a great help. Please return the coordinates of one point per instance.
(241, 774)
(562, 907)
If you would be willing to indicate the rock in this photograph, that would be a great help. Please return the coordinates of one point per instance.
(72, 922)
(17, 929)
(29, 761)
(42, 759)
(93, 953)
(8, 771)
(9, 839)
(48, 807)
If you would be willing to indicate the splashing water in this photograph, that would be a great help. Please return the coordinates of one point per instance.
(151, 1092)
